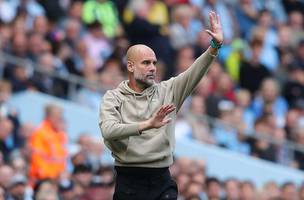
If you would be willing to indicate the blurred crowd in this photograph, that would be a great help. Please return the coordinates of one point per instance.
(255, 89)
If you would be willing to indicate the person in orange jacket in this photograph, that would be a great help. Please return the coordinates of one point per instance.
(48, 152)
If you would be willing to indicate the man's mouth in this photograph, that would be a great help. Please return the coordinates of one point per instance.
(151, 76)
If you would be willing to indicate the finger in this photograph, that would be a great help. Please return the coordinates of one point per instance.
(160, 110)
(169, 106)
(169, 111)
(210, 33)
(211, 18)
(215, 17)
(163, 109)
(166, 121)
(218, 19)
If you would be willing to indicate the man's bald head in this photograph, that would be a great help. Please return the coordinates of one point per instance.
(137, 50)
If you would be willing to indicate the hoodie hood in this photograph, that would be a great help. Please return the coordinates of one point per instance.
(124, 88)
(146, 95)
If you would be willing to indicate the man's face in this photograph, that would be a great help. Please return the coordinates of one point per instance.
(144, 68)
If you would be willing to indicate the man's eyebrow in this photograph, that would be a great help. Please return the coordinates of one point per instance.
(149, 61)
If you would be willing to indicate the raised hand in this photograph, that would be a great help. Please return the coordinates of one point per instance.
(160, 118)
(216, 31)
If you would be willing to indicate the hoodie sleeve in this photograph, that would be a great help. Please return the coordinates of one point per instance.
(184, 83)
(110, 120)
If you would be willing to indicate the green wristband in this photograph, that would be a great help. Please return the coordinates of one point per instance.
(214, 44)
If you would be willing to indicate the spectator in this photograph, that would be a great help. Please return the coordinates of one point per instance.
(293, 89)
(213, 188)
(290, 5)
(6, 35)
(90, 95)
(265, 31)
(246, 15)
(41, 25)
(48, 158)
(184, 58)
(110, 75)
(270, 190)
(2, 193)
(107, 175)
(300, 54)
(201, 44)
(292, 120)
(98, 190)
(19, 45)
(243, 101)
(261, 148)
(45, 189)
(75, 10)
(223, 91)
(185, 27)
(6, 128)
(269, 100)
(247, 191)
(298, 132)
(295, 22)
(284, 154)
(98, 46)
(301, 192)
(17, 188)
(54, 10)
(82, 177)
(275, 8)
(20, 78)
(196, 118)
(6, 174)
(66, 190)
(42, 80)
(252, 72)
(226, 135)
(35, 45)
(141, 28)
(221, 8)
(289, 191)
(284, 48)
(232, 189)
(19, 164)
(234, 58)
(97, 10)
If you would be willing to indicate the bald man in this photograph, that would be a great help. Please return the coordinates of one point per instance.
(136, 120)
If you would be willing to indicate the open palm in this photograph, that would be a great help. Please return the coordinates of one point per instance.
(215, 31)
(160, 118)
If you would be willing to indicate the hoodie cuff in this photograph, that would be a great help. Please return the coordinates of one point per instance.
(133, 129)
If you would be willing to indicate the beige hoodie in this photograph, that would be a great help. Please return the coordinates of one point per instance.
(122, 109)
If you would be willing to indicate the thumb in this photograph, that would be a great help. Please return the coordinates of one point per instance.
(210, 33)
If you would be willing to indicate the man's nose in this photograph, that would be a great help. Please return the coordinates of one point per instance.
(152, 68)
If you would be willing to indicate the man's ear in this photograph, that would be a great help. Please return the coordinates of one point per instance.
(130, 66)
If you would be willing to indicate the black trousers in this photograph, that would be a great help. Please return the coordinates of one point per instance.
(136, 183)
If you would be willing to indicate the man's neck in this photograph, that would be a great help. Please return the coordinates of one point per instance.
(136, 87)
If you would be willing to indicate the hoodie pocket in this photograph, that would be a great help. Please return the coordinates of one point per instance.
(118, 147)
(148, 147)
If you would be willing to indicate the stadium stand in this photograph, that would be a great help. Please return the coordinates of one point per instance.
(241, 134)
